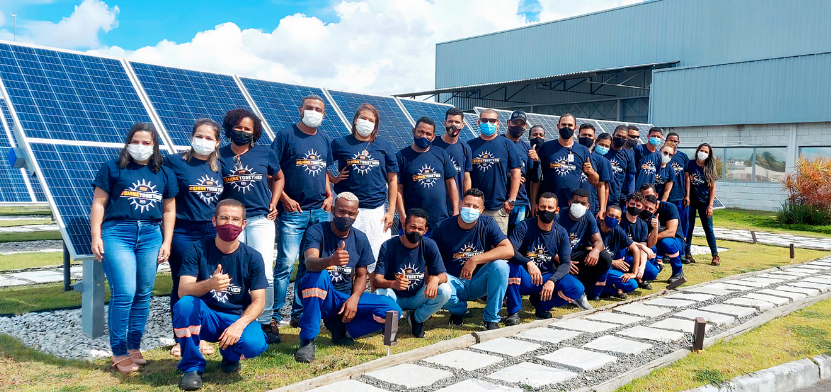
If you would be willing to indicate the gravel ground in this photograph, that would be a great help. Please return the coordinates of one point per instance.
(30, 246)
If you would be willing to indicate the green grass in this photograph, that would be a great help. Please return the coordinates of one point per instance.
(802, 334)
(734, 218)
(30, 260)
(30, 236)
(24, 222)
(25, 210)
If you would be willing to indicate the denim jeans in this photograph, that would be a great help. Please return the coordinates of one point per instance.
(683, 215)
(706, 223)
(290, 229)
(491, 280)
(518, 214)
(184, 235)
(424, 307)
(259, 234)
(131, 251)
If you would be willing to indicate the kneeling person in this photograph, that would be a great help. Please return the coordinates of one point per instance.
(622, 277)
(540, 267)
(589, 260)
(670, 240)
(332, 280)
(222, 288)
(411, 272)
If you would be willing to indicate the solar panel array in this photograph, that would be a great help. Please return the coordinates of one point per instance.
(13, 188)
(395, 126)
(472, 121)
(435, 111)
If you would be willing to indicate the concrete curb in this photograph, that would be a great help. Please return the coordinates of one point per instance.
(783, 378)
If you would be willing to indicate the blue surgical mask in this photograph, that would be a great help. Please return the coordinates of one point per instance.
(487, 129)
(470, 215)
(655, 141)
(422, 142)
(601, 150)
(610, 222)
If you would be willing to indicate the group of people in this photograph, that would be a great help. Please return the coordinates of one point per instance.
(497, 218)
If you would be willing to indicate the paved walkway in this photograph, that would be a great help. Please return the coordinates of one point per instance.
(590, 350)
(775, 239)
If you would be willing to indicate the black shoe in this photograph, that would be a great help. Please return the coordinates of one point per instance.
(294, 323)
(620, 295)
(336, 326)
(306, 352)
(490, 326)
(467, 314)
(229, 367)
(675, 277)
(416, 327)
(645, 285)
(191, 381)
(272, 333)
(456, 320)
(543, 315)
(513, 319)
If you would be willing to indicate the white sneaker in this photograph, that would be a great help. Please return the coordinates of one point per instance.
(583, 303)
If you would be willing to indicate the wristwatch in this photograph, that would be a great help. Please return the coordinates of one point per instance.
(512, 202)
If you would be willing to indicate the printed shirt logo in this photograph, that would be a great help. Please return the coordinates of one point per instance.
(485, 160)
(243, 178)
(312, 163)
(339, 274)
(677, 167)
(659, 180)
(207, 188)
(573, 240)
(427, 176)
(562, 167)
(696, 179)
(222, 296)
(143, 195)
(362, 162)
(617, 168)
(466, 252)
(648, 168)
(456, 165)
(539, 255)
(412, 274)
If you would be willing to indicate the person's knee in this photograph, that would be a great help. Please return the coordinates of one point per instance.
(501, 268)
(604, 261)
(444, 292)
(185, 305)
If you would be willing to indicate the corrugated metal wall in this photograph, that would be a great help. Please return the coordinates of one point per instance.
(784, 90)
(696, 32)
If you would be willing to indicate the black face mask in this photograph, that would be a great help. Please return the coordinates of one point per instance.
(566, 133)
(646, 215)
(632, 142)
(586, 141)
(413, 236)
(452, 131)
(547, 216)
(241, 138)
(343, 223)
(536, 141)
(516, 131)
(618, 141)
(634, 211)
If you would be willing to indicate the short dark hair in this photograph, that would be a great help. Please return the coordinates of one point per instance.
(229, 203)
(235, 116)
(567, 115)
(671, 134)
(655, 129)
(621, 127)
(614, 207)
(547, 195)
(453, 112)
(637, 196)
(427, 120)
(537, 126)
(646, 186)
(314, 97)
(650, 199)
(632, 128)
(475, 193)
(587, 126)
(604, 136)
(580, 192)
(416, 213)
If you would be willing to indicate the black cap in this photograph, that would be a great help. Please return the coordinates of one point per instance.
(519, 115)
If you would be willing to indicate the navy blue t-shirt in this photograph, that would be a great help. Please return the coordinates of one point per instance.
(622, 164)
(666, 212)
(245, 177)
(457, 245)
(200, 188)
(604, 171)
(423, 176)
(492, 162)
(679, 188)
(637, 231)
(244, 267)
(616, 241)
(136, 193)
(304, 159)
(647, 164)
(699, 190)
(461, 156)
(528, 166)
(541, 246)
(663, 175)
(562, 169)
(417, 263)
(321, 237)
(579, 232)
(369, 163)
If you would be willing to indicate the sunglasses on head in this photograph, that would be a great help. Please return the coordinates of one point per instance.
(489, 120)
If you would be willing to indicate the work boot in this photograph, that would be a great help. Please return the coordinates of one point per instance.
(336, 326)
(416, 327)
(645, 285)
(456, 320)
(675, 277)
(490, 326)
(513, 319)
(542, 314)
(191, 381)
(229, 366)
(272, 333)
(306, 352)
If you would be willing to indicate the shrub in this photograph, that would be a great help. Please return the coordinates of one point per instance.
(809, 193)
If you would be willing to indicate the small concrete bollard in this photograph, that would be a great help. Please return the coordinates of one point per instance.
(698, 334)
(390, 329)
(753, 235)
(792, 253)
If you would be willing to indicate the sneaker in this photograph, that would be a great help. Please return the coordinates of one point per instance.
(306, 352)
(542, 315)
(416, 328)
(513, 319)
(490, 326)
(675, 277)
(229, 366)
(294, 323)
(191, 381)
(272, 333)
(645, 285)
(716, 261)
(456, 320)
(583, 303)
(336, 326)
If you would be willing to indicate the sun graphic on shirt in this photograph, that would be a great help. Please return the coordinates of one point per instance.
(315, 163)
(209, 189)
(362, 162)
(659, 180)
(245, 183)
(143, 195)
(696, 179)
(427, 176)
(412, 274)
(562, 167)
(485, 160)
(539, 255)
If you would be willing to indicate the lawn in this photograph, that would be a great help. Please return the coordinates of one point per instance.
(30, 260)
(25, 210)
(23, 222)
(30, 236)
(27, 368)
(734, 218)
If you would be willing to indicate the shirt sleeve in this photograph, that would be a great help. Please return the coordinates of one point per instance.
(366, 257)
(329, 160)
(605, 169)
(391, 160)
(381, 265)
(190, 262)
(592, 229)
(399, 157)
(103, 179)
(273, 164)
(514, 160)
(278, 146)
(449, 168)
(564, 252)
(256, 274)
(433, 260)
(171, 186)
(313, 239)
(518, 235)
(468, 165)
(495, 233)
(624, 240)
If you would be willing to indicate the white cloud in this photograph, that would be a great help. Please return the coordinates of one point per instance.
(79, 30)
(559, 9)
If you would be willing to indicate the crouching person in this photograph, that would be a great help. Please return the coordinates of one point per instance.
(411, 272)
(332, 279)
(222, 288)
(541, 264)
(622, 278)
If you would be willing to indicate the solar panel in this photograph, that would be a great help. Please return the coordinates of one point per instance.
(395, 127)
(472, 122)
(70, 96)
(40, 196)
(181, 96)
(547, 121)
(13, 188)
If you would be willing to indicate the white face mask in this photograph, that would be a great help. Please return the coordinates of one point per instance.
(140, 152)
(312, 119)
(665, 158)
(577, 210)
(702, 156)
(364, 127)
(202, 146)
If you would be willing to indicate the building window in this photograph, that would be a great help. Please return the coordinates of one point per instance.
(770, 164)
(815, 152)
(738, 164)
(762, 164)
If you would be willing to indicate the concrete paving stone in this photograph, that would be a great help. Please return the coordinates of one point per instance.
(639, 309)
(550, 335)
(39, 276)
(348, 386)
(818, 279)
(647, 333)
(673, 303)
(787, 294)
(824, 263)
(464, 359)
(820, 267)
(583, 325)
(795, 289)
(617, 345)
(617, 318)
(533, 375)
(779, 275)
(575, 358)
(761, 305)
(763, 280)
(6, 282)
(819, 286)
(732, 310)
(474, 385)
(748, 283)
(675, 324)
(727, 286)
(691, 297)
(769, 298)
(409, 375)
(708, 290)
(799, 269)
(715, 318)
(505, 346)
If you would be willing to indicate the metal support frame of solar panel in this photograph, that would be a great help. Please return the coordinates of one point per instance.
(435, 111)
(395, 126)
(14, 185)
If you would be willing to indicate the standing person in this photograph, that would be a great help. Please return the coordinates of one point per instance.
(222, 285)
(133, 195)
(303, 153)
(529, 169)
(252, 176)
(679, 187)
(497, 167)
(665, 174)
(426, 177)
(700, 176)
(200, 184)
(600, 191)
(589, 259)
(633, 136)
(563, 163)
(536, 138)
(460, 154)
(622, 162)
(648, 157)
(368, 169)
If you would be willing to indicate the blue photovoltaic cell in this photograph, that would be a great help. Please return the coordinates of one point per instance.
(12, 187)
(59, 95)
(395, 127)
(434, 110)
(547, 122)
(472, 121)
(182, 96)
(40, 196)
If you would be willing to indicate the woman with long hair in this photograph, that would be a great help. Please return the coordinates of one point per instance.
(700, 177)
(131, 222)
(200, 184)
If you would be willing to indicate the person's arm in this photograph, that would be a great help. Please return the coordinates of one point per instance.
(533, 190)
(667, 190)
(452, 194)
(231, 335)
(350, 307)
(591, 174)
(315, 263)
(392, 190)
(687, 190)
(431, 284)
(602, 197)
(710, 202)
(168, 223)
(516, 177)
(278, 181)
(503, 251)
(672, 226)
(597, 246)
(399, 204)
(467, 182)
(218, 281)
(636, 263)
(327, 203)
(96, 219)
(652, 237)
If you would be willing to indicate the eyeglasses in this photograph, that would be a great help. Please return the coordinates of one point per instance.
(235, 220)
(489, 120)
(633, 137)
(667, 154)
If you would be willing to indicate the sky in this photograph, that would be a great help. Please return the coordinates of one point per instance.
(371, 46)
